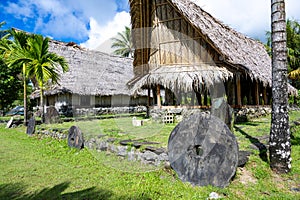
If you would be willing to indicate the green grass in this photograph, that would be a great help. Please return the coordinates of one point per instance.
(35, 168)
(120, 128)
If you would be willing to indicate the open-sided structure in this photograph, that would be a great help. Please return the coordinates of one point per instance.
(181, 48)
(94, 79)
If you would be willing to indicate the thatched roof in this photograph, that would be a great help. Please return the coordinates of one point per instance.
(237, 50)
(91, 72)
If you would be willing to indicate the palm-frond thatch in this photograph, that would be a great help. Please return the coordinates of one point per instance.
(90, 72)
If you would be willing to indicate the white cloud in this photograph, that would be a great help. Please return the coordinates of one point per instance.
(252, 18)
(62, 19)
(99, 34)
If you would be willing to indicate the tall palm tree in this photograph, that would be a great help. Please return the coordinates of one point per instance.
(123, 43)
(43, 65)
(12, 50)
(280, 145)
(31, 51)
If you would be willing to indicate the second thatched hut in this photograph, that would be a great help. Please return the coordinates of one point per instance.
(185, 51)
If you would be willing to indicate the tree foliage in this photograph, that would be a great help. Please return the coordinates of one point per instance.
(10, 84)
(123, 43)
(30, 53)
(293, 48)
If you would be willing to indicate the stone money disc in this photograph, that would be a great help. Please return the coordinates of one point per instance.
(203, 151)
(75, 138)
(30, 126)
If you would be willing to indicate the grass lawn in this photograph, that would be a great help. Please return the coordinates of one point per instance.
(35, 168)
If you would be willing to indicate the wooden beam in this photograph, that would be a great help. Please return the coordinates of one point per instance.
(205, 97)
(256, 93)
(265, 97)
(238, 89)
(149, 97)
(158, 96)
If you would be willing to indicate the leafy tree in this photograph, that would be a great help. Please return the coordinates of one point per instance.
(293, 46)
(12, 49)
(293, 43)
(43, 66)
(9, 82)
(280, 145)
(123, 43)
(31, 52)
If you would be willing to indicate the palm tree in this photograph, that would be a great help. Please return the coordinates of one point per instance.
(123, 43)
(280, 145)
(3, 33)
(43, 65)
(31, 51)
(12, 50)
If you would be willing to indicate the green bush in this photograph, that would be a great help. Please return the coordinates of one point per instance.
(295, 100)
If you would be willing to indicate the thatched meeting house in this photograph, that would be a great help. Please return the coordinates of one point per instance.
(94, 79)
(185, 51)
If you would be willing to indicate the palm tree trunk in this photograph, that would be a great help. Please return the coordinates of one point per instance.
(42, 103)
(25, 95)
(25, 101)
(280, 146)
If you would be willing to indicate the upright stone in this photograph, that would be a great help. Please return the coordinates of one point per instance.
(10, 123)
(75, 138)
(30, 126)
(203, 151)
(222, 110)
(52, 115)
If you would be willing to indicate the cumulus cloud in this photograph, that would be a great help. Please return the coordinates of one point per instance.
(252, 18)
(99, 34)
(94, 21)
(63, 19)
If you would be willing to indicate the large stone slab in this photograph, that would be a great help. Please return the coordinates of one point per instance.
(222, 110)
(203, 151)
(10, 123)
(75, 138)
(52, 115)
(30, 126)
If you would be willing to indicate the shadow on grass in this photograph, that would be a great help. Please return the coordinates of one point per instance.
(295, 140)
(261, 147)
(17, 191)
(248, 123)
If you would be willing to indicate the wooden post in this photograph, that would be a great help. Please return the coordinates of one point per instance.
(149, 97)
(256, 93)
(158, 96)
(265, 98)
(238, 89)
(199, 98)
(193, 99)
(205, 97)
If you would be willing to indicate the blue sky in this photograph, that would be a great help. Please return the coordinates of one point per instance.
(66, 20)
(92, 22)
